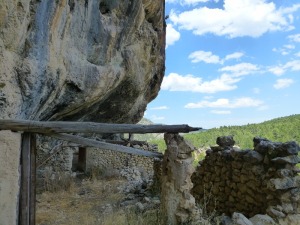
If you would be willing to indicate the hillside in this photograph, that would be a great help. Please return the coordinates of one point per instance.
(150, 136)
(280, 129)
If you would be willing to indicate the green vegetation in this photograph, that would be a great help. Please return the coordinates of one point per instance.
(281, 130)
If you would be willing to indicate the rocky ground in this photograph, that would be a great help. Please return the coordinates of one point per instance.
(94, 199)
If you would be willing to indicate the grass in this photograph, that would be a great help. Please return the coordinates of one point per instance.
(85, 202)
(94, 200)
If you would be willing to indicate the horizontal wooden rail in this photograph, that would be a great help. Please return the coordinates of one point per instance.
(89, 127)
(103, 145)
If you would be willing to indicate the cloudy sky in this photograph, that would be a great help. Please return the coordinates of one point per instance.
(229, 62)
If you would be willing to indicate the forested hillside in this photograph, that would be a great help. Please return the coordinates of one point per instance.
(281, 129)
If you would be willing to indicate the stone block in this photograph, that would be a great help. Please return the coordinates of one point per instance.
(240, 219)
(274, 212)
(225, 141)
(284, 183)
(253, 157)
(291, 159)
(293, 219)
(262, 220)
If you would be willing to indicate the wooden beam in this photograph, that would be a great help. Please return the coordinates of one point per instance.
(125, 142)
(28, 180)
(84, 142)
(90, 127)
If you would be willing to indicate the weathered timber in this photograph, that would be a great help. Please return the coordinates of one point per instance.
(27, 186)
(125, 142)
(85, 142)
(90, 127)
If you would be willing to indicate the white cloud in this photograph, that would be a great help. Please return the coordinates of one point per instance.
(285, 50)
(172, 35)
(297, 54)
(207, 57)
(221, 112)
(235, 55)
(226, 103)
(240, 69)
(238, 18)
(159, 108)
(176, 82)
(293, 65)
(279, 70)
(294, 37)
(283, 83)
(289, 46)
(226, 82)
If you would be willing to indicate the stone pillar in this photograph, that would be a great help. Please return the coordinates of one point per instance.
(178, 205)
(10, 145)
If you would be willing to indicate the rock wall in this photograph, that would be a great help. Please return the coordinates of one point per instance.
(9, 177)
(260, 181)
(89, 60)
(111, 160)
(92, 60)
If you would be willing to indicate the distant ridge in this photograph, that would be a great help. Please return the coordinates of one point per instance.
(280, 129)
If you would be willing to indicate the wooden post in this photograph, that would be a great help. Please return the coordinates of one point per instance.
(81, 159)
(28, 180)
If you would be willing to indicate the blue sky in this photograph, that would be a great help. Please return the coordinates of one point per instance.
(229, 62)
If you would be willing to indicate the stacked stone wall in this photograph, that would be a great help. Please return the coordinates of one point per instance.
(112, 160)
(59, 156)
(260, 181)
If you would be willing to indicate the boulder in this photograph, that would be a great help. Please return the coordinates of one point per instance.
(225, 141)
(93, 60)
(253, 157)
(240, 219)
(260, 219)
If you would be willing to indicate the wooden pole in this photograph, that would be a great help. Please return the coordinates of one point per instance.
(28, 180)
(89, 127)
(104, 146)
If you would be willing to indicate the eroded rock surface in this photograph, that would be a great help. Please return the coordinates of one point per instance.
(88, 60)
(80, 60)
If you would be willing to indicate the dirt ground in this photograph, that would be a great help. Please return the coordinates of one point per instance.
(90, 201)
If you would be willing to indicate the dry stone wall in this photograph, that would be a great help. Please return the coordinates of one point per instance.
(260, 181)
(111, 160)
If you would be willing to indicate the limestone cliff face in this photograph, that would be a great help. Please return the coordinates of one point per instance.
(92, 60)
